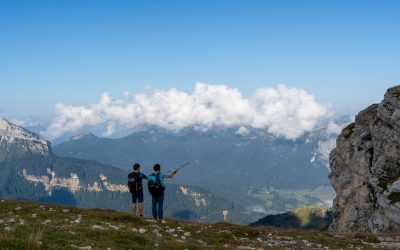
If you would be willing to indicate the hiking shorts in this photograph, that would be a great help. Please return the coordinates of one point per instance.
(137, 198)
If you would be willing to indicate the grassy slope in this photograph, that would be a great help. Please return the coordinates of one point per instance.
(53, 227)
(309, 217)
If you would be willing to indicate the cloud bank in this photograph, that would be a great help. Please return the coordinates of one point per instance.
(283, 111)
(25, 123)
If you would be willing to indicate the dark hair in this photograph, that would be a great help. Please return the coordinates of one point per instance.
(136, 166)
(156, 167)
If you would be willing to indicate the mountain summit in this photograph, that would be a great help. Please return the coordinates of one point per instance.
(17, 141)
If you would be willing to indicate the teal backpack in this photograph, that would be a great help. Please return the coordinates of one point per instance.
(154, 184)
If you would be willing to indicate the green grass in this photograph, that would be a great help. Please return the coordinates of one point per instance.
(348, 130)
(121, 232)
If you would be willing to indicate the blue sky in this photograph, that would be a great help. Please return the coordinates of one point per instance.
(343, 52)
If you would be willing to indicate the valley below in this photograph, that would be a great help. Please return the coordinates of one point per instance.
(257, 171)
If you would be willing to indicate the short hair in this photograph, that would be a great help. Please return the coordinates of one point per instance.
(136, 166)
(156, 167)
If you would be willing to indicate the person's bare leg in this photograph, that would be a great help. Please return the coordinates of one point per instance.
(141, 209)
(134, 209)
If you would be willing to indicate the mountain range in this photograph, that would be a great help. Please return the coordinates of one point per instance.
(250, 167)
(30, 170)
(247, 172)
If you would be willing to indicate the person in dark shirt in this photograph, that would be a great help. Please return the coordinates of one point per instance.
(136, 188)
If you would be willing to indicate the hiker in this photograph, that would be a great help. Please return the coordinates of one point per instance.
(156, 189)
(136, 188)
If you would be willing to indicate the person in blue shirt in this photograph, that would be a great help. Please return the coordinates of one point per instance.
(158, 200)
(136, 188)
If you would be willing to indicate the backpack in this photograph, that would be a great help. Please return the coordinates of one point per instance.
(135, 184)
(154, 184)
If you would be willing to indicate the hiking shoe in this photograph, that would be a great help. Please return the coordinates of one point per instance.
(141, 216)
(163, 221)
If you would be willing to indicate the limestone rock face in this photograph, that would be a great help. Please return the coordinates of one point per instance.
(16, 141)
(366, 170)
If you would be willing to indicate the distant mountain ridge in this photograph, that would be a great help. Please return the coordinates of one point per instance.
(261, 169)
(223, 148)
(29, 170)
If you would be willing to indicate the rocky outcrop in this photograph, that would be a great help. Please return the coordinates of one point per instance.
(366, 170)
(16, 141)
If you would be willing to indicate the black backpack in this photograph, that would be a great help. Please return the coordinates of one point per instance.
(154, 184)
(135, 184)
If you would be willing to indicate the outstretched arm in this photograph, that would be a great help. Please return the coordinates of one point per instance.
(170, 175)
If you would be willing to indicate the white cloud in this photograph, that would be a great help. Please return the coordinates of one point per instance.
(242, 131)
(334, 128)
(24, 123)
(69, 118)
(283, 111)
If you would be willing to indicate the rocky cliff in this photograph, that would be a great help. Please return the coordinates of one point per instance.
(17, 141)
(366, 170)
